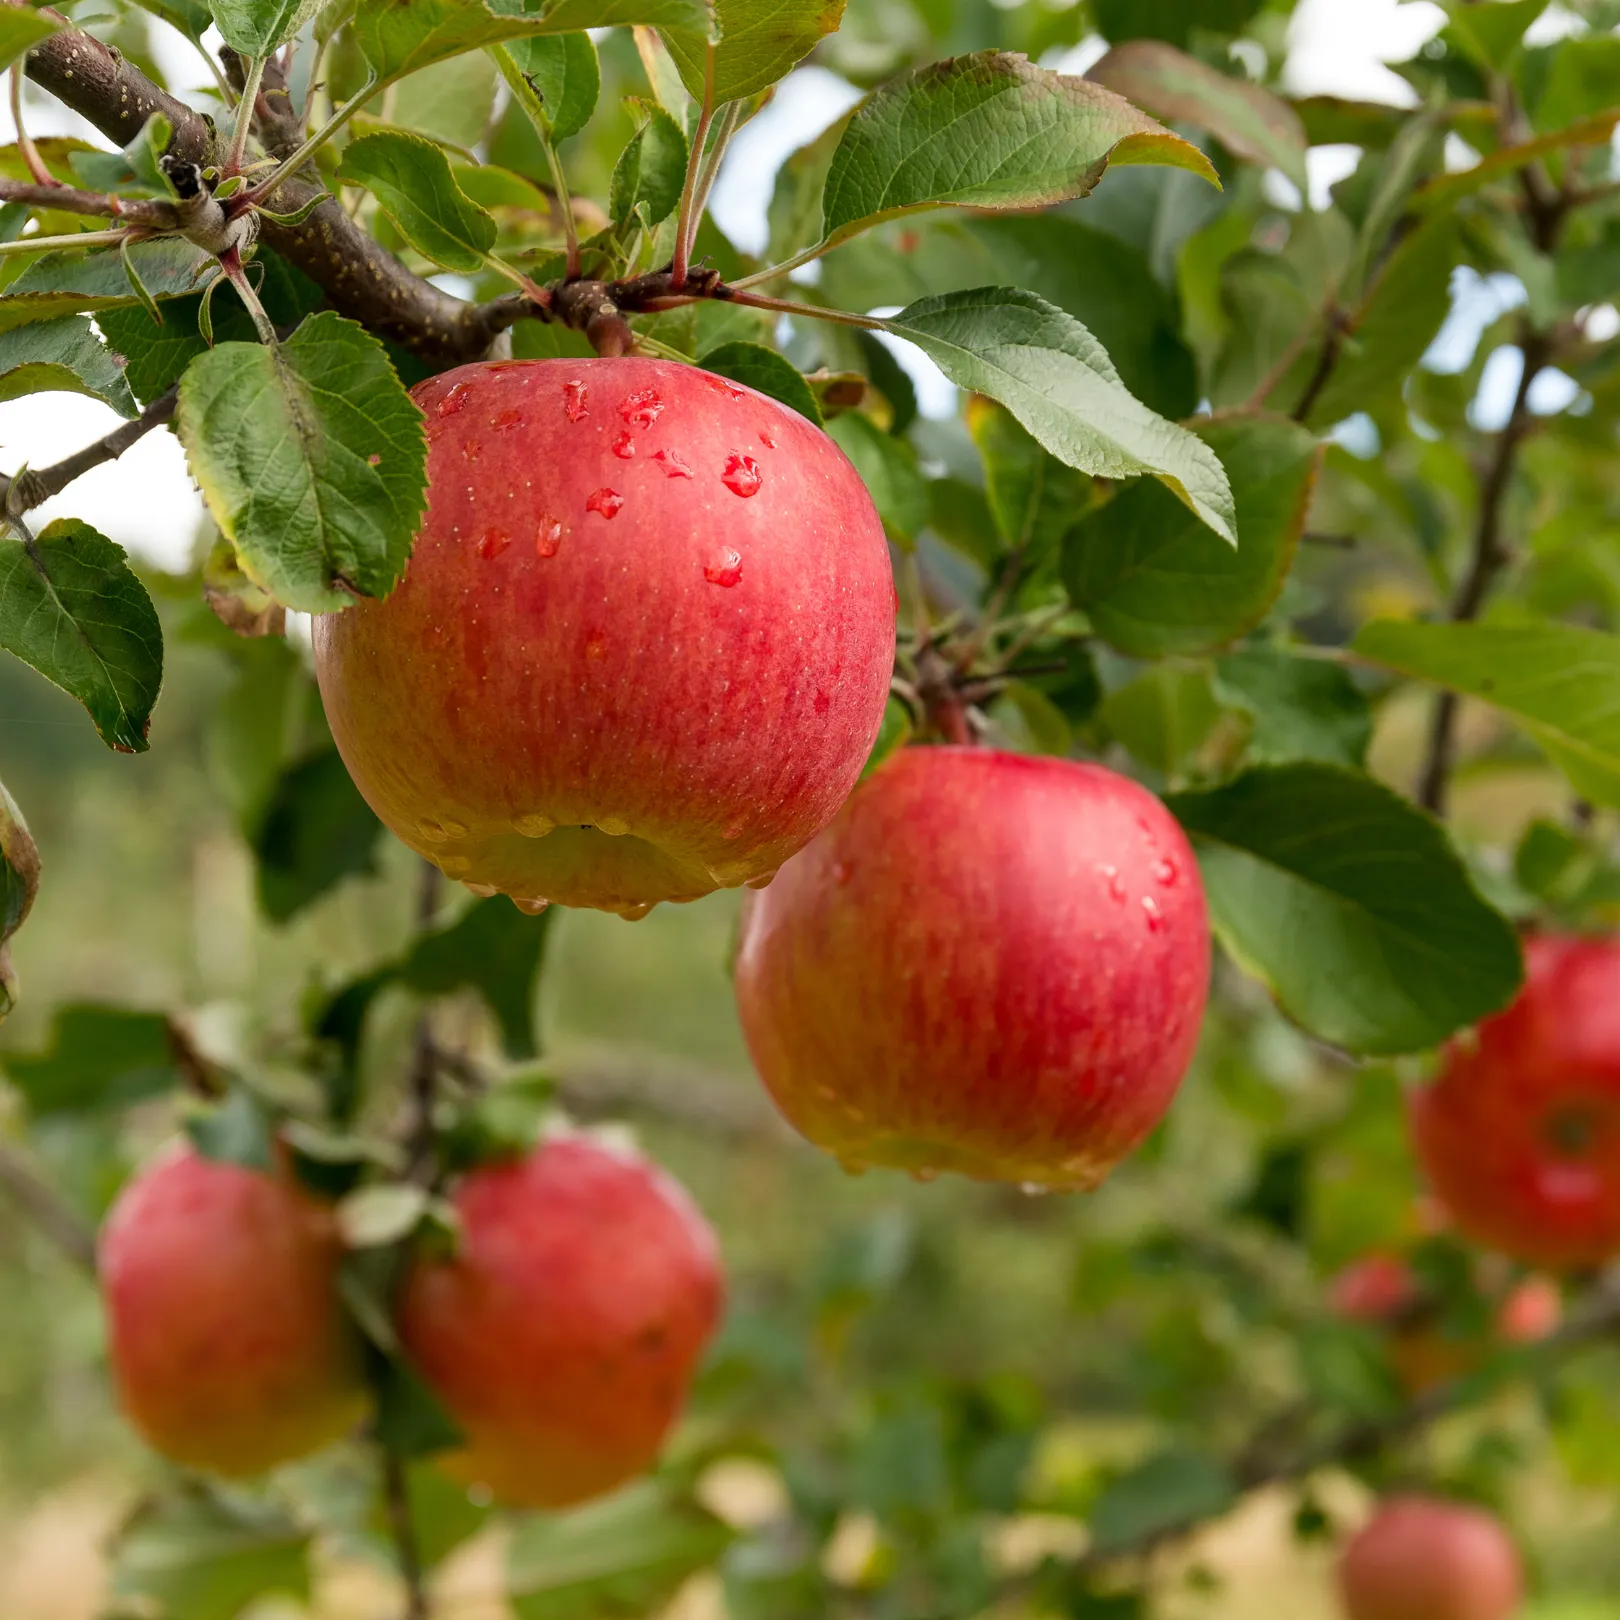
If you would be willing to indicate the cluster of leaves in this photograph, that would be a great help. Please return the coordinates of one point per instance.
(1217, 506)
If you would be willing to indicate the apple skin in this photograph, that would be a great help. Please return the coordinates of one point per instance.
(1383, 1291)
(1519, 1132)
(990, 963)
(228, 1345)
(643, 645)
(1422, 1559)
(563, 1334)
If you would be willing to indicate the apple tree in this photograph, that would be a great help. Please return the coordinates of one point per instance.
(1181, 770)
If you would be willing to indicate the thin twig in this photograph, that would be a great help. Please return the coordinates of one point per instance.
(1490, 556)
(160, 215)
(25, 144)
(246, 108)
(34, 486)
(49, 244)
(56, 1219)
(424, 1071)
(402, 1527)
(685, 225)
(787, 306)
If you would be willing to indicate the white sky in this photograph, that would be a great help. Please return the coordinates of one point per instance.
(146, 500)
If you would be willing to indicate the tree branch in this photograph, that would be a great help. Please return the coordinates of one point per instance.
(33, 487)
(56, 1219)
(68, 200)
(359, 276)
(402, 1526)
(1490, 556)
(1596, 1318)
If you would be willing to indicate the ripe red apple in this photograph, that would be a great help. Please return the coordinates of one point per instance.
(1421, 1559)
(1519, 1132)
(1384, 1291)
(563, 1334)
(992, 963)
(643, 645)
(228, 1345)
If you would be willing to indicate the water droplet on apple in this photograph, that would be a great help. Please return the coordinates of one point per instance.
(742, 475)
(605, 501)
(613, 826)
(1033, 1189)
(642, 408)
(1166, 872)
(624, 447)
(673, 464)
(595, 644)
(484, 891)
(471, 449)
(530, 907)
(512, 417)
(852, 1167)
(635, 913)
(766, 439)
(827, 1094)
(721, 386)
(574, 400)
(925, 1173)
(453, 400)
(1116, 884)
(734, 829)
(842, 873)
(547, 537)
(725, 570)
(455, 865)
(761, 882)
(437, 831)
(492, 542)
(1155, 917)
(534, 825)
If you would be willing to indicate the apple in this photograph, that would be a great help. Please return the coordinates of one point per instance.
(1384, 1291)
(991, 963)
(1519, 1132)
(643, 645)
(1423, 1559)
(228, 1345)
(564, 1331)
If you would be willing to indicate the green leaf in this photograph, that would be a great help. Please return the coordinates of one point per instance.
(191, 17)
(1105, 283)
(1162, 716)
(651, 168)
(71, 608)
(751, 44)
(1351, 905)
(65, 355)
(98, 1058)
(411, 1421)
(1173, 20)
(1247, 119)
(257, 27)
(1054, 376)
(315, 830)
(312, 458)
(1302, 708)
(197, 1554)
(19, 883)
(78, 283)
(411, 179)
(1032, 496)
(888, 467)
(1154, 581)
(375, 1216)
(1396, 322)
(557, 78)
(757, 367)
(989, 130)
(237, 1130)
(498, 951)
(1160, 1493)
(21, 29)
(1580, 82)
(1493, 34)
(397, 39)
(1560, 683)
(135, 171)
(616, 1559)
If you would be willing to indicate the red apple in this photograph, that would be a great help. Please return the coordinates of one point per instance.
(1420, 1559)
(991, 963)
(1519, 1132)
(643, 646)
(1383, 1291)
(563, 1334)
(228, 1344)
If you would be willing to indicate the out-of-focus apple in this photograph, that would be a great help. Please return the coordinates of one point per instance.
(1421, 1559)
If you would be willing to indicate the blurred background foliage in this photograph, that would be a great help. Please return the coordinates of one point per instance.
(927, 1401)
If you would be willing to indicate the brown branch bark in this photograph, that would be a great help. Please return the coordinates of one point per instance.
(68, 200)
(1489, 556)
(35, 486)
(359, 276)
